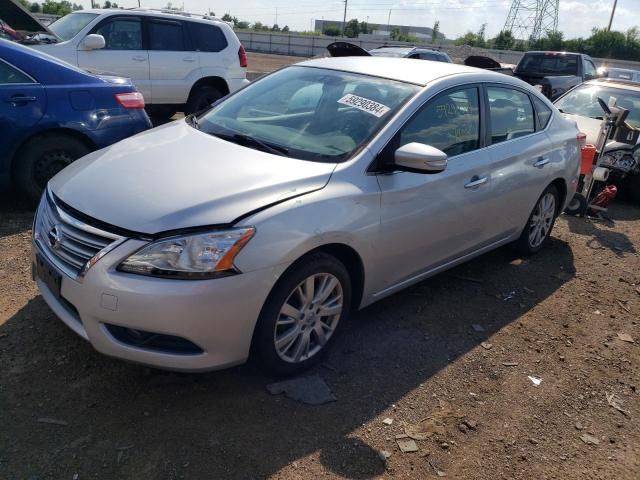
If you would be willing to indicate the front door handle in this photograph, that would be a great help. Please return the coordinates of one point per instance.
(20, 99)
(189, 59)
(476, 182)
(139, 58)
(541, 162)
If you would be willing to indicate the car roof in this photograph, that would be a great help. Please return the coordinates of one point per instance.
(154, 13)
(552, 52)
(616, 83)
(401, 69)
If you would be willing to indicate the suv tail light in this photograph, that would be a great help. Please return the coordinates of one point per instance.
(130, 100)
(582, 139)
(242, 56)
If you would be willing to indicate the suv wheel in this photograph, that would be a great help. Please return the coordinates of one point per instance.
(302, 315)
(42, 158)
(201, 99)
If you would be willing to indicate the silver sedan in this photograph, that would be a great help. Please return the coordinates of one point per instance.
(256, 227)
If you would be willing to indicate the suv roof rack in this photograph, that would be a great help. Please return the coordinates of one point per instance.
(177, 12)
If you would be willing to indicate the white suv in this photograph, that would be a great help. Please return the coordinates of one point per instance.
(179, 62)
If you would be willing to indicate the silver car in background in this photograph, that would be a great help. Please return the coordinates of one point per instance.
(256, 227)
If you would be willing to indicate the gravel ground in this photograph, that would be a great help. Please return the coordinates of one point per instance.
(447, 361)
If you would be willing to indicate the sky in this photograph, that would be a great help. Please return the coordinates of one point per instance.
(576, 18)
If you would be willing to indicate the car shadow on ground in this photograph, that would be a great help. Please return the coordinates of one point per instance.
(126, 421)
(16, 212)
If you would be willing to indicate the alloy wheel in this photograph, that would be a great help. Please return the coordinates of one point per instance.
(542, 220)
(308, 318)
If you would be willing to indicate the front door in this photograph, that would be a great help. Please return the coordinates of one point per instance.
(430, 220)
(124, 52)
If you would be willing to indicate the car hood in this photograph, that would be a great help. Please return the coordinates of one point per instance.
(591, 127)
(175, 177)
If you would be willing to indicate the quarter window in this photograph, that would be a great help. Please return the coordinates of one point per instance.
(207, 38)
(9, 75)
(166, 36)
(450, 122)
(511, 114)
(122, 34)
(542, 112)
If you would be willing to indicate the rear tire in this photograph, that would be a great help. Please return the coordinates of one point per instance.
(540, 222)
(577, 205)
(302, 315)
(42, 158)
(201, 99)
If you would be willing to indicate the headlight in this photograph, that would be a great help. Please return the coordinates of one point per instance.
(197, 256)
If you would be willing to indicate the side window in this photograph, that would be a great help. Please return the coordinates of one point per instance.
(207, 38)
(167, 36)
(511, 114)
(450, 122)
(590, 70)
(543, 113)
(122, 34)
(9, 75)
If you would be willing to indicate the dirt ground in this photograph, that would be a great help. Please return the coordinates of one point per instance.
(447, 360)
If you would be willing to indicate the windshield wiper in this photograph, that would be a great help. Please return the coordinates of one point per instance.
(249, 141)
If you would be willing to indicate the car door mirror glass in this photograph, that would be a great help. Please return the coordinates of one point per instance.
(93, 42)
(420, 158)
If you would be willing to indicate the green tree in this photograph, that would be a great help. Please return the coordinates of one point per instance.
(364, 28)
(469, 38)
(435, 31)
(57, 8)
(257, 26)
(285, 29)
(25, 3)
(228, 18)
(35, 8)
(275, 28)
(503, 41)
(605, 43)
(332, 31)
(352, 28)
(242, 25)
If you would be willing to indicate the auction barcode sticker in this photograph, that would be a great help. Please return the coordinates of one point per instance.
(364, 104)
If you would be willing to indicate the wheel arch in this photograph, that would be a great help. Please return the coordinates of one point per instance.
(213, 81)
(561, 186)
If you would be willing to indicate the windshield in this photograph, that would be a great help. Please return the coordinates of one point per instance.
(583, 101)
(389, 53)
(548, 64)
(68, 26)
(308, 113)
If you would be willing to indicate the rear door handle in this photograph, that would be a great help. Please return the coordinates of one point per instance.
(476, 182)
(139, 58)
(541, 162)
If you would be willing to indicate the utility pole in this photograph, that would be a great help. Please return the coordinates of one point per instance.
(613, 11)
(276, 16)
(344, 18)
(389, 18)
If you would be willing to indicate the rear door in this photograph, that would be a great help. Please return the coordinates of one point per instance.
(520, 152)
(174, 66)
(22, 105)
(124, 52)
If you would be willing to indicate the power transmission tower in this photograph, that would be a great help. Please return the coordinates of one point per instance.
(530, 19)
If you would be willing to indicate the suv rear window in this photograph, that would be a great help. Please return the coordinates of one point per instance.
(207, 38)
(548, 64)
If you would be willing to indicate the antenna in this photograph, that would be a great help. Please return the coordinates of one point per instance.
(530, 19)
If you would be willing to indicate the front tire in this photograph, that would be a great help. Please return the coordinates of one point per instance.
(302, 315)
(540, 222)
(42, 158)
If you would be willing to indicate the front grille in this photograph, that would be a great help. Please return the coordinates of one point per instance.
(66, 241)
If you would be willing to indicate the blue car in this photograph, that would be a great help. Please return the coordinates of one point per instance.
(52, 113)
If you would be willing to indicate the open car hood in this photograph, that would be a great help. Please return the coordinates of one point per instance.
(18, 18)
(346, 49)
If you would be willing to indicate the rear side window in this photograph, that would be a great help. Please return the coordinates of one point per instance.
(450, 122)
(207, 38)
(122, 34)
(548, 64)
(167, 36)
(543, 113)
(9, 75)
(511, 114)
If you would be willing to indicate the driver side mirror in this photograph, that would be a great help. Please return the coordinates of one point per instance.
(420, 158)
(92, 42)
